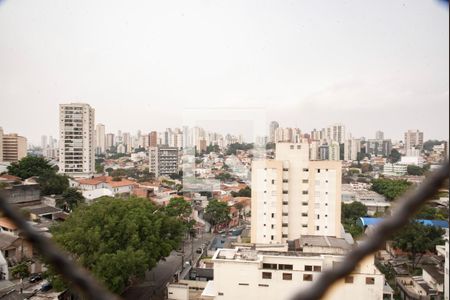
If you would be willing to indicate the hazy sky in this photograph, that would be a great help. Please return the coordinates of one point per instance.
(371, 65)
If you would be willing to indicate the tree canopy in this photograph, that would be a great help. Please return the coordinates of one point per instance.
(217, 213)
(245, 192)
(119, 239)
(390, 188)
(415, 170)
(30, 166)
(178, 207)
(71, 198)
(350, 214)
(395, 156)
(418, 239)
(233, 148)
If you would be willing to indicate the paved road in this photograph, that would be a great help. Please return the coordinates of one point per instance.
(154, 286)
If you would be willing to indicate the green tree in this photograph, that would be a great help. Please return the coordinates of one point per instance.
(71, 198)
(20, 271)
(233, 148)
(350, 214)
(224, 176)
(431, 213)
(178, 207)
(119, 239)
(245, 192)
(417, 239)
(30, 166)
(353, 211)
(428, 145)
(217, 213)
(395, 156)
(415, 170)
(390, 188)
(52, 183)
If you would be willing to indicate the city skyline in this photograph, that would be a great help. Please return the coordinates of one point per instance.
(389, 63)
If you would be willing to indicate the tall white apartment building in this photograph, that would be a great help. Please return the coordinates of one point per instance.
(351, 150)
(109, 141)
(379, 135)
(413, 139)
(100, 139)
(294, 196)
(77, 139)
(336, 132)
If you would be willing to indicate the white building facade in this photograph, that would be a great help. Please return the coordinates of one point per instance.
(293, 196)
(77, 140)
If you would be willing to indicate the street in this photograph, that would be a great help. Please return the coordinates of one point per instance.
(154, 285)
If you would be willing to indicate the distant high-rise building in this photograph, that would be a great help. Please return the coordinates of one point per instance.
(336, 132)
(100, 139)
(334, 151)
(414, 139)
(351, 150)
(273, 127)
(77, 139)
(14, 147)
(153, 139)
(294, 196)
(324, 152)
(379, 147)
(379, 135)
(163, 160)
(44, 142)
(110, 141)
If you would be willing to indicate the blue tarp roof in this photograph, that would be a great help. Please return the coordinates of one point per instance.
(364, 222)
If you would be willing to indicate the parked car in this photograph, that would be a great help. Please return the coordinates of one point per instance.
(35, 278)
(199, 251)
(46, 287)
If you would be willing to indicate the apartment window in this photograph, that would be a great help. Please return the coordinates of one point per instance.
(273, 226)
(272, 237)
(285, 192)
(287, 276)
(370, 280)
(305, 226)
(305, 192)
(285, 203)
(273, 181)
(285, 170)
(318, 217)
(305, 203)
(292, 147)
(263, 285)
(286, 267)
(285, 225)
(307, 277)
(308, 268)
(299, 147)
(270, 266)
(317, 228)
(266, 275)
(244, 284)
(304, 214)
(349, 279)
(220, 294)
(285, 214)
(284, 236)
(317, 269)
(285, 181)
(273, 216)
(305, 170)
(305, 181)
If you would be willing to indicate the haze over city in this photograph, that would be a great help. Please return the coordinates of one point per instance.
(370, 65)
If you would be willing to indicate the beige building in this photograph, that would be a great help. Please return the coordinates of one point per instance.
(293, 196)
(413, 139)
(77, 140)
(351, 149)
(13, 147)
(253, 275)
